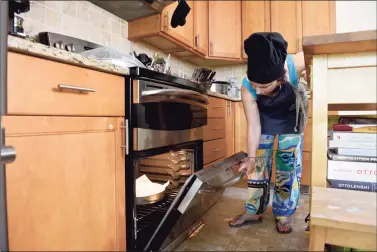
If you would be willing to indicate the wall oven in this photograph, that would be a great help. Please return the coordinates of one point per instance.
(165, 117)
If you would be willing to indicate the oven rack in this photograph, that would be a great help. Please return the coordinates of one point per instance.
(153, 213)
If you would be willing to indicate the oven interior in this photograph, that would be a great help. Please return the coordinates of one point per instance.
(175, 164)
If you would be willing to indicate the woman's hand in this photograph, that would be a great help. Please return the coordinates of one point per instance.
(247, 166)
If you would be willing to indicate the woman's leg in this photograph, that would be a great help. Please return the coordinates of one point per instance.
(288, 175)
(258, 185)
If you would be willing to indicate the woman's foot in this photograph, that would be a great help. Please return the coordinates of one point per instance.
(283, 226)
(245, 219)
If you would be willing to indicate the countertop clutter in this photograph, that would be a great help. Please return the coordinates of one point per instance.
(25, 46)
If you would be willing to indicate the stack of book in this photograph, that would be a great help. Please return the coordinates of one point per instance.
(352, 154)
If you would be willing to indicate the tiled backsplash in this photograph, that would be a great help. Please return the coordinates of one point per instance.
(225, 73)
(84, 20)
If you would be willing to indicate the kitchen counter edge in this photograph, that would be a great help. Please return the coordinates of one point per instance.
(24, 46)
(223, 96)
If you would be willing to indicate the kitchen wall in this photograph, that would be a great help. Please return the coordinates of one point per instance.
(351, 16)
(354, 16)
(87, 21)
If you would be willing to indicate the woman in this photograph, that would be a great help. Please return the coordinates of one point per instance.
(269, 95)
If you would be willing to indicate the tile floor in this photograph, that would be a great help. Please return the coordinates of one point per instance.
(216, 235)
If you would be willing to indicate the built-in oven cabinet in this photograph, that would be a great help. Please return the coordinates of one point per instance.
(216, 134)
(43, 87)
(66, 188)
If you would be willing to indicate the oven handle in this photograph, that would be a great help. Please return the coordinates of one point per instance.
(180, 95)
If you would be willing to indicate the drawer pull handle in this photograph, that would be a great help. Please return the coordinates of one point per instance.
(81, 89)
(216, 128)
(216, 106)
(216, 150)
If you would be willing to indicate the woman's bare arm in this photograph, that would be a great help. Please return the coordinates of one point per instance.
(253, 121)
(299, 61)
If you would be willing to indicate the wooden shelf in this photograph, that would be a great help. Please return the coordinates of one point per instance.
(368, 113)
(343, 73)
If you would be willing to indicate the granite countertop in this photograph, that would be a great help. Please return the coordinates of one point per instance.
(28, 47)
(227, 97)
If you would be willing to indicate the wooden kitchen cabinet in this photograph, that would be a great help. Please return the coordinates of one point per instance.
(225, 29)
(230, 129)
(255, 18)
(318, 18)
(66, 188)
(184, 34)
(201, 27)
(37, 90)
(286, 19)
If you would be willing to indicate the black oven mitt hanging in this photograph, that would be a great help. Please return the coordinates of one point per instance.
(180, 14)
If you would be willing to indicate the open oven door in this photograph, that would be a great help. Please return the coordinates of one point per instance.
(199, 193)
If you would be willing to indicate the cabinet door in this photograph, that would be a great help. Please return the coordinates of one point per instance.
(184, 34)
(318, 18)
(255, 18)
(230, 129)
(201, 27)
(65, 190)
(286, 19)
(225, 29)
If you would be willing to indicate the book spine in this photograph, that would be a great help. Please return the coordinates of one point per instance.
(355, 145)
(353, 185)
(336, 157)
(351, 171)
(356, 152)
(354, 137)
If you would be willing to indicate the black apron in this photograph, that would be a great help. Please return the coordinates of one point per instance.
(278, 112)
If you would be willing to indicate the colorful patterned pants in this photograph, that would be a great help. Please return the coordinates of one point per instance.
(288, 175)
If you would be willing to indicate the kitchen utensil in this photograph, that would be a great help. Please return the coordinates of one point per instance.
(148, 192)
(143, 58)
(220, 87)
(211, 76)
(167, 63)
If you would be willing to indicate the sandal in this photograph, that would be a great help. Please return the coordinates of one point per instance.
(285, 223)
(244, 223)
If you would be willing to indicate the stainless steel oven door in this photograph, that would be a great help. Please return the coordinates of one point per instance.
(164, 115)
(200, 192)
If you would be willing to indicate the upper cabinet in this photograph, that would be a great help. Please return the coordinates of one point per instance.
(215, 30)
(318, 18)
(225, 29)
(255, 18)
(286, 19)
(184, 34)
(201, 27)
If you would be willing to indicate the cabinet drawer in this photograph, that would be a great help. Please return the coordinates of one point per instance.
(216, 108)
(214, 129)
(213, 150)
(33, 89)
